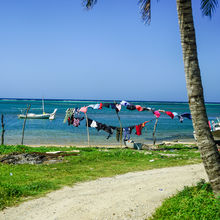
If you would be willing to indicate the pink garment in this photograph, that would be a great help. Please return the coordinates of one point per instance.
(157, 114)
(139, 108)
(170, 114)
(84, 109)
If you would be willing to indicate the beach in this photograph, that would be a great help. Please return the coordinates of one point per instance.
(143, 146)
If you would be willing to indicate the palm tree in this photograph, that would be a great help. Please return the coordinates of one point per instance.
(205, 141)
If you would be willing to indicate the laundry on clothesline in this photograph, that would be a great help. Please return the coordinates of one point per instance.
(117, 107)
(73, 117)
(125, 130)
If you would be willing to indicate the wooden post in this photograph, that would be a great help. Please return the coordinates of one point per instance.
(22, 139)
(120, 128)
(120, 125)
(3, 129)
(87, 125)
(155, 126)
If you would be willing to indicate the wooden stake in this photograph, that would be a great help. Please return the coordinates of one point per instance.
(3, 129)
(120, 128)
(22, 139)
(87, 125)
(120, 125)
(155, 126)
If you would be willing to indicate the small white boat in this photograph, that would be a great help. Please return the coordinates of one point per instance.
(44, 115)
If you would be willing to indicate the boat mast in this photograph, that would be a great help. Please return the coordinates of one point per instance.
(43, 105)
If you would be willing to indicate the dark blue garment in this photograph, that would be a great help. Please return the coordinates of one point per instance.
(113, 106)
(126, 133)
(131, 107)
(184, 115)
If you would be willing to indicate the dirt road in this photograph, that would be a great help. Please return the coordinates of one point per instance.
(129, 196)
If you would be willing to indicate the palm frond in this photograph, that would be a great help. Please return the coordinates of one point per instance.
(145, 7)
(208, 7)
(89, 3)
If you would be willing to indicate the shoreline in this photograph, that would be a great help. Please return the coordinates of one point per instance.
(102, 145)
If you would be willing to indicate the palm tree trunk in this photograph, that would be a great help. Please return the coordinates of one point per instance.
(205, 141)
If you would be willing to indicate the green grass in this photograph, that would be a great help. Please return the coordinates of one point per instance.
(19, 182)
(192, 203)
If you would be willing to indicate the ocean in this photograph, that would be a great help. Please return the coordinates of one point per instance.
(55, 132)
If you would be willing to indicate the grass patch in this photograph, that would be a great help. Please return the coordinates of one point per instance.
(192, 203)
(18, 182)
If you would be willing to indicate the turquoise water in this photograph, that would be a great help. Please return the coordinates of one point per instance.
(57, 133)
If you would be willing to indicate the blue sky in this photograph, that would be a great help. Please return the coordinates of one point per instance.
(57, 49)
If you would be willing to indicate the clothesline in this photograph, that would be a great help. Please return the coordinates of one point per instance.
(129, 106)
(73, 117)
(75, 121)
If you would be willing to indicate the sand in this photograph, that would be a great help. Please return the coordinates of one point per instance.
(129, 196)
(188, 142)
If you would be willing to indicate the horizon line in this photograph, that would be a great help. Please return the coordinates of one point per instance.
(67, 99)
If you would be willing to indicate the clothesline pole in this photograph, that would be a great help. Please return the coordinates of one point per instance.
(120, 128)
(3, 129)
(155, 126)
(87, 126)
(22, 138)
(120, 125)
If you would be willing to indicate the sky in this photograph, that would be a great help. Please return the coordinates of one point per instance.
(57, 49)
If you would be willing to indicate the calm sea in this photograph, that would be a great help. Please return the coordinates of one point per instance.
(40, 132)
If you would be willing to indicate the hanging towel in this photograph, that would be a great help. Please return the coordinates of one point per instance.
(125, 103)
(139, 108)
(96, 106)
(170, 114)
(175, 114)
(138, 129)
(146, 109)
(83, 109)
(91, 106)
(131, 107)
(107, 105)
(186, 115)
(118, 107)
(100, 106)
(157, 114)
(93, 124)
(113, 106)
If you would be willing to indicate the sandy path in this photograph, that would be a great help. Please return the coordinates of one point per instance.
(128, 196)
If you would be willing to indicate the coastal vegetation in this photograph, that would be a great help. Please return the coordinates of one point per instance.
(19, 182)
(196, 202)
